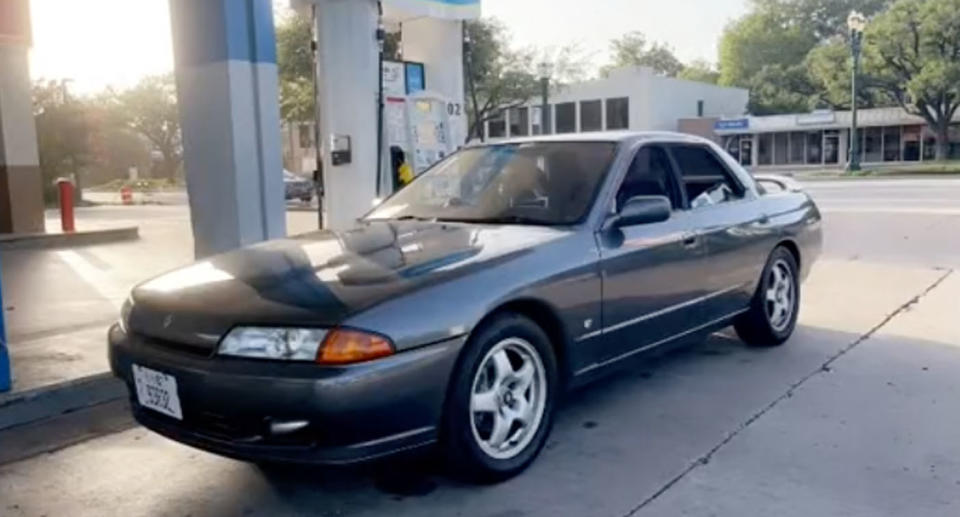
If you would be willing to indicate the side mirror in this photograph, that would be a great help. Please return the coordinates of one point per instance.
(641, 210)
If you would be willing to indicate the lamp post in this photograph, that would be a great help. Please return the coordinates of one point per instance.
(545, 71)
(856, 22)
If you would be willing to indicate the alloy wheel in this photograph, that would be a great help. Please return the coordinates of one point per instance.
(508, 398)
(779, 296)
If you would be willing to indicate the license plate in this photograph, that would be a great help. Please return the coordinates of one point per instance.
(157, 391)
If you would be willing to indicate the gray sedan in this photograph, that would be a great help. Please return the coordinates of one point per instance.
(456, 313)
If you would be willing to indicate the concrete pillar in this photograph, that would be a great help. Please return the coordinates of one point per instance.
(438, 44)
(347, 75)
(21, 184)
(225, 57)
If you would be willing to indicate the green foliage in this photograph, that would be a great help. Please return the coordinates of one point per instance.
(912, 53)
(295, 68)
(769, 52)
(700, 71)
(633, 49)
(498, 77)
(63, 134)
(150, 110)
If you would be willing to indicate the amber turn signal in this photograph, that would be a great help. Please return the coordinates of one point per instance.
(345, 346)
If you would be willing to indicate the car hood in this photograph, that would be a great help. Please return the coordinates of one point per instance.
(320, 278)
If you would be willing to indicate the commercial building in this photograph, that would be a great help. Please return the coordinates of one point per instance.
(629, 99)
(821, 139)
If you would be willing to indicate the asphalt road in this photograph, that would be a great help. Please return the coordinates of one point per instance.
(856, 415)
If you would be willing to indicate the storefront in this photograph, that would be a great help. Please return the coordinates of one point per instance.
(821, 140)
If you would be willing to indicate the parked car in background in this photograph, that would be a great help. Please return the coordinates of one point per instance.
(298, 187)
(457, 311)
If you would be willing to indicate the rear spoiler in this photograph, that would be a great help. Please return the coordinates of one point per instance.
(782, 182)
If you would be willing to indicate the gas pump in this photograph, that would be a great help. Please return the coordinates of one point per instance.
(422, 125)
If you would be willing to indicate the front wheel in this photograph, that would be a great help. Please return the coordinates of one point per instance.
(500, 407)
(772, 316)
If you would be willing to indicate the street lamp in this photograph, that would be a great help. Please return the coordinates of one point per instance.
(856, 22)
(545, 71)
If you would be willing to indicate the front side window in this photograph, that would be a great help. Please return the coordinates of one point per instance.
(548, 183)
(650, 174)
(706, 181)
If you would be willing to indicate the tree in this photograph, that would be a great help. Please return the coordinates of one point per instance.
(63, 133)
(767, 49)
(633, 49)
(912, 53)
(295, 69)
(829, 68)
(498, 77)
(700, 71)
(150, 109)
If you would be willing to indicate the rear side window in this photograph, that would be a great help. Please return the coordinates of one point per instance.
(650, 174)
(706, 181)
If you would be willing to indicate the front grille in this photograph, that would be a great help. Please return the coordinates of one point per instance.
(164, 344)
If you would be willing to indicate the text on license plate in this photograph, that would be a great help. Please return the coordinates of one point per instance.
(157, 391)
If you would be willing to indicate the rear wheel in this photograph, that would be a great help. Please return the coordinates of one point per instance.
(500, 407)
(772, 316)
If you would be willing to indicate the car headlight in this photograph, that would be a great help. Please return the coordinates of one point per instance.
(336, 346)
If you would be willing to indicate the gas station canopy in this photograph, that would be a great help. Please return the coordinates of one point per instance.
(400, 10)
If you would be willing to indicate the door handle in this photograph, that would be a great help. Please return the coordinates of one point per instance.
(764, 219)
(690, 240)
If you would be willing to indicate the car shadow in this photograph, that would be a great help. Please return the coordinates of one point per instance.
(419, 473)
(615, 441)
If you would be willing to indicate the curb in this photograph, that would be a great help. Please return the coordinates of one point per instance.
(50, 418)
(64, 240)
(22, 408)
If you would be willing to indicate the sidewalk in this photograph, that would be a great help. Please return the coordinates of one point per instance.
(60, 302)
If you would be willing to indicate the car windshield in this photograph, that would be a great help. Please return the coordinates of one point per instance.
(525, 183)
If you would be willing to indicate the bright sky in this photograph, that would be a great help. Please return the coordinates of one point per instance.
(115, 42)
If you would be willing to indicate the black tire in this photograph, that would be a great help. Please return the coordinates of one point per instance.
(463, 454)
(758, 326)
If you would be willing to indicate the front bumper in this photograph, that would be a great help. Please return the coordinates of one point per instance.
(355, 413)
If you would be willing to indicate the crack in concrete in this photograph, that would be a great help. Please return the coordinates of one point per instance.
(823, 368)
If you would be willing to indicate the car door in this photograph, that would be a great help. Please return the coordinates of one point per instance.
(735, 233)
(653, 274)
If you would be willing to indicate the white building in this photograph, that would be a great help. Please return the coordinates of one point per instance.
(630, 98)
(821, 140)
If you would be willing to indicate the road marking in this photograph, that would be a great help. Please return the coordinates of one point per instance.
(96, 278)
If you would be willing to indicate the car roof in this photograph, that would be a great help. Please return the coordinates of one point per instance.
(603, 136)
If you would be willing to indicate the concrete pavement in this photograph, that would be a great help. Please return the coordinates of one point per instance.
(856, 415)
(619, 448)
(60, 302)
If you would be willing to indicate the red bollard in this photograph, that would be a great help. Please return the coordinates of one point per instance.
(66, 205)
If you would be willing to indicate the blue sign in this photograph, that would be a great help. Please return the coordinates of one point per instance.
(737, 123)
(5, 380)
(416, 77)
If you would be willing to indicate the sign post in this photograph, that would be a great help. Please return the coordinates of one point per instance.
(6, 380)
